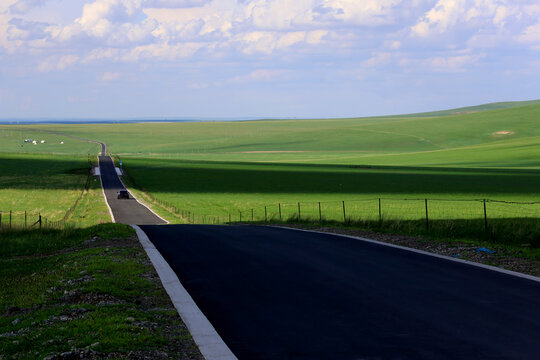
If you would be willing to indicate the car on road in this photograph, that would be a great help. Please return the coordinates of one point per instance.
(123, 194)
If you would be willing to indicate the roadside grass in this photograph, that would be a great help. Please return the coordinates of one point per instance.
(91, 209)
(85, 293)
(20, 242)
(520, 235)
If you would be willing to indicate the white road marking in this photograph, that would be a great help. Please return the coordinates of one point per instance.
(205, 335)
(105, 196)
(488, 267)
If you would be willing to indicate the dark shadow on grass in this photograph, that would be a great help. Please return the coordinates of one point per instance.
(267, 178)
(180, 176)
(23, 242)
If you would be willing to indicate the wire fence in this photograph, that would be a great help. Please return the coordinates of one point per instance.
(375, 209)
(25, 219)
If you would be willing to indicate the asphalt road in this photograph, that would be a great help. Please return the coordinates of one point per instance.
(283, 294)
(126, 211)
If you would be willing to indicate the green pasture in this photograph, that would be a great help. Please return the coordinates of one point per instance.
(12, 141)
(454, 158)
(48, 185)
(439, 141)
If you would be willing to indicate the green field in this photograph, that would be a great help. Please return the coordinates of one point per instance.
(47, 179)
(454, 158)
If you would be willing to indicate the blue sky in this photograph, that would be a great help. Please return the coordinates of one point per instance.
(263, 58)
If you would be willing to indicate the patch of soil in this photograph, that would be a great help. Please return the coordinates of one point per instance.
(503, 132)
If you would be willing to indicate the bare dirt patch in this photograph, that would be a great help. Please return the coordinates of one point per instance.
(503, 132)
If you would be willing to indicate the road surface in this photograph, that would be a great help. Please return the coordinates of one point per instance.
(284, 294)
(126, 211)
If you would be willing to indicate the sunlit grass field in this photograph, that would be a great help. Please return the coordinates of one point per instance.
(455, 159)
(47, 179)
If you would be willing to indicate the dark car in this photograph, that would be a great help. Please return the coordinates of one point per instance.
(123, 194)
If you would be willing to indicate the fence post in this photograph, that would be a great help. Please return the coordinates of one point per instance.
(299, 211)
(485, 217)
(265, 215)
(279, 206)
(427, 218)
(320, 213)
(39, 220)
(344, 215)
(380, 212)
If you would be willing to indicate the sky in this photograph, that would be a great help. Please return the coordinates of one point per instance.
(121, 59)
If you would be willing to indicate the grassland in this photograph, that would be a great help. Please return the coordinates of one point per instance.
(454, 158)
(221, 168)
(47, 179)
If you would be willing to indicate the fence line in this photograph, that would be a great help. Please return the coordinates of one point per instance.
(7, 218)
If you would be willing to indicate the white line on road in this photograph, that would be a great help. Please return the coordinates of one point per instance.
(488, 267)
(103, 189)
(205, 335)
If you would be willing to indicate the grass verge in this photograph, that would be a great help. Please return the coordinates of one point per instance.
(85, 293)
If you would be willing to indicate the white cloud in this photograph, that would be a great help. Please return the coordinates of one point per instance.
(260, 75)
(110, 76)
(23, 6)
(456, 63)
(58, 63)
(531, 34)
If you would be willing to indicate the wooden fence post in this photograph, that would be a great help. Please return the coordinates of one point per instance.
(380, 212)
(344, 215)
(279, 206)
(39, 220)
(485, 217)
(427, 218)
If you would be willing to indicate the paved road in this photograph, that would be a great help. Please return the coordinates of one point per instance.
(126, 211)
(284, 294)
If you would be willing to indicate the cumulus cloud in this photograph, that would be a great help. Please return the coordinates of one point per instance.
(260, 75)
(23, 6)
(168, 30)
(110, 76)
(457, 63)
(20, 29)
(56, 63)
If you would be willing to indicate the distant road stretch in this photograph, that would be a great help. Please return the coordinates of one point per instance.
(284, 294)
(126, 211)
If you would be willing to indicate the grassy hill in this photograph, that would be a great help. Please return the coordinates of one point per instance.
(221, 168)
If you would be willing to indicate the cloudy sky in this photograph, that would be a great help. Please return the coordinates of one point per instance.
(263, 58)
